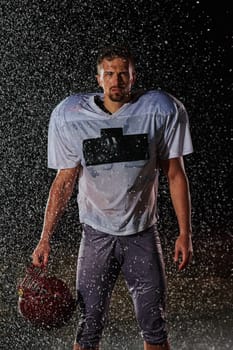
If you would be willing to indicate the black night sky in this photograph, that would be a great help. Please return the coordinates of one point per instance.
(48, 51)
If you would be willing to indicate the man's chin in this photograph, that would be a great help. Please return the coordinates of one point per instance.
(117, 97)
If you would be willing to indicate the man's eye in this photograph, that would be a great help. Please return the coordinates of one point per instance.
(108, 74)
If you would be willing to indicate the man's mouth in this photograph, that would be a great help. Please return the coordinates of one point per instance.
(116, 89)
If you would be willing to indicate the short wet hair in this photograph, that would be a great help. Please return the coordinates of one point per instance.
(111, 52)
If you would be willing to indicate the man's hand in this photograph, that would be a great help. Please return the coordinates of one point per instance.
(183, 249)
(40, 255)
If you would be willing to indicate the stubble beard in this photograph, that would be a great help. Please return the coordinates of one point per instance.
(119, 97)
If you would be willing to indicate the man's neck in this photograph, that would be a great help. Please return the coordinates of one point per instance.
(114, 106)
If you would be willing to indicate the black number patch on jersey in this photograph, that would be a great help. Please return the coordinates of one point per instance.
(114, 147)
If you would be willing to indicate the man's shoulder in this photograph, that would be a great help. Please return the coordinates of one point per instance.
(160, 101)
(159, 97)
(74, 100)
(71, 105)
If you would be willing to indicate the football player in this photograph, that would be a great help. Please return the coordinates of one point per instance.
(115, 143)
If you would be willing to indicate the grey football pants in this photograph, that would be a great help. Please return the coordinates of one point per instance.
(101, 258)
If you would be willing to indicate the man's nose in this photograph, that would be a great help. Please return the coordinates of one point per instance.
(117, 79)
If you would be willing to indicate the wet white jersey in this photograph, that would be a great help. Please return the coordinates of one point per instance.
(119, 155)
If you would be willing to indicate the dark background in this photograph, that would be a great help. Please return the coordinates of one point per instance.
(48, 51)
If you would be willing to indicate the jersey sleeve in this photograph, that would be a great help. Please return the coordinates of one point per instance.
(61, 153)
(176, 140)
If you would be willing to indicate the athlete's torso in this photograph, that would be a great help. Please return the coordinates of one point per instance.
(119, 156)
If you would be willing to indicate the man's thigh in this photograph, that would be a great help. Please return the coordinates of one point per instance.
(97, 272)
(144, 272)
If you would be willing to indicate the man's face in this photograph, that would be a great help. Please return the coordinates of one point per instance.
(116, 77)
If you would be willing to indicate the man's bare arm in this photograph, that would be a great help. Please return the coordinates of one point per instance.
(180, 195)
(59, 195)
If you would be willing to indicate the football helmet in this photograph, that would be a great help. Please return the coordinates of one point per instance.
(44, 301)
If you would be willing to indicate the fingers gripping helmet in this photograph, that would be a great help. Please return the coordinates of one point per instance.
(44, 301)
